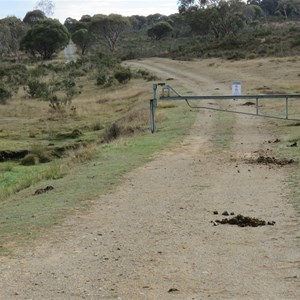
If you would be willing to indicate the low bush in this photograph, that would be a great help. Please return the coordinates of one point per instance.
(61, 92)
(235, 55)
(296, 42)
(43, 154)
(38, 154)
(84, 153)
(130, 55)
(101, 79)
(102, 60)
(146, 75)
(15, 73)
(38, 71)
(97, 126)
(123, 76)
(36, 88)
(69, 135)
(112, 133)
(5, 92)
(30, 160)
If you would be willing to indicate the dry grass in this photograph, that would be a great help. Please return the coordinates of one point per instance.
(83, 154)
(25, 120)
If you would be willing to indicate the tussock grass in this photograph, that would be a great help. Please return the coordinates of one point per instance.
(83, 154)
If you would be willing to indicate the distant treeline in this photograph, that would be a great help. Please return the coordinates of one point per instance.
(204, 21)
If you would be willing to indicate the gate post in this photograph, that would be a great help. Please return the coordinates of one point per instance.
(153, 104)
(155, 93)
(152, 116)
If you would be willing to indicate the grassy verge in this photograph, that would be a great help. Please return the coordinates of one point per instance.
(290, 135)
(15, 177)
(25, 216)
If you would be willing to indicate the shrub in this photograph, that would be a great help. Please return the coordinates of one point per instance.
(97, 126)
(104, 60)
(144, 73)
(235, 55)
(70, 135)
(262, 32)
(78, 73)
(110, 81)
(37, 155)
(293, 29)
(251, 56)
(112, 133)
(39, 71)
(30, 160)
(16, 73)
(82, 154)
(296, 42)
(41, 152)
(36, 89)
(61, 93)
(130, 55)
(101, 79)
(5, 93)
(123, 76)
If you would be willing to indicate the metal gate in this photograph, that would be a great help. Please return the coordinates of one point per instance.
(169, 93)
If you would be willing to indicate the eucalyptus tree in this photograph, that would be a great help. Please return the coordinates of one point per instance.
(45, 38)
(32, 17)
(216, 17)
(73, 25)
(289, 8)
(12, 30)
(160, 30)
(83, 39)
(109, 28)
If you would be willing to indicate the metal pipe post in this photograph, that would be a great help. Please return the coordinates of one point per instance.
(152, 116)
(287, 108)
(155, 94)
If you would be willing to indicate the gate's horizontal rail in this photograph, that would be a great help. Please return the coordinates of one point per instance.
(275, 96)
(177, 96)
(287, 117)
(169, 93)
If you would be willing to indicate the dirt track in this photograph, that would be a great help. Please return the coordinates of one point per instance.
(153, 238)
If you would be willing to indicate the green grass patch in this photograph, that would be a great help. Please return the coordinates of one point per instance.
(25, 215)
(15, 177)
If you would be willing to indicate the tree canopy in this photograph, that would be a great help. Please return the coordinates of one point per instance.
(159, 30)
(73, 25)
(109, 28)
(32, 17)
(45, 38)
(83, 39)
(12, 30)
(218, 17)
